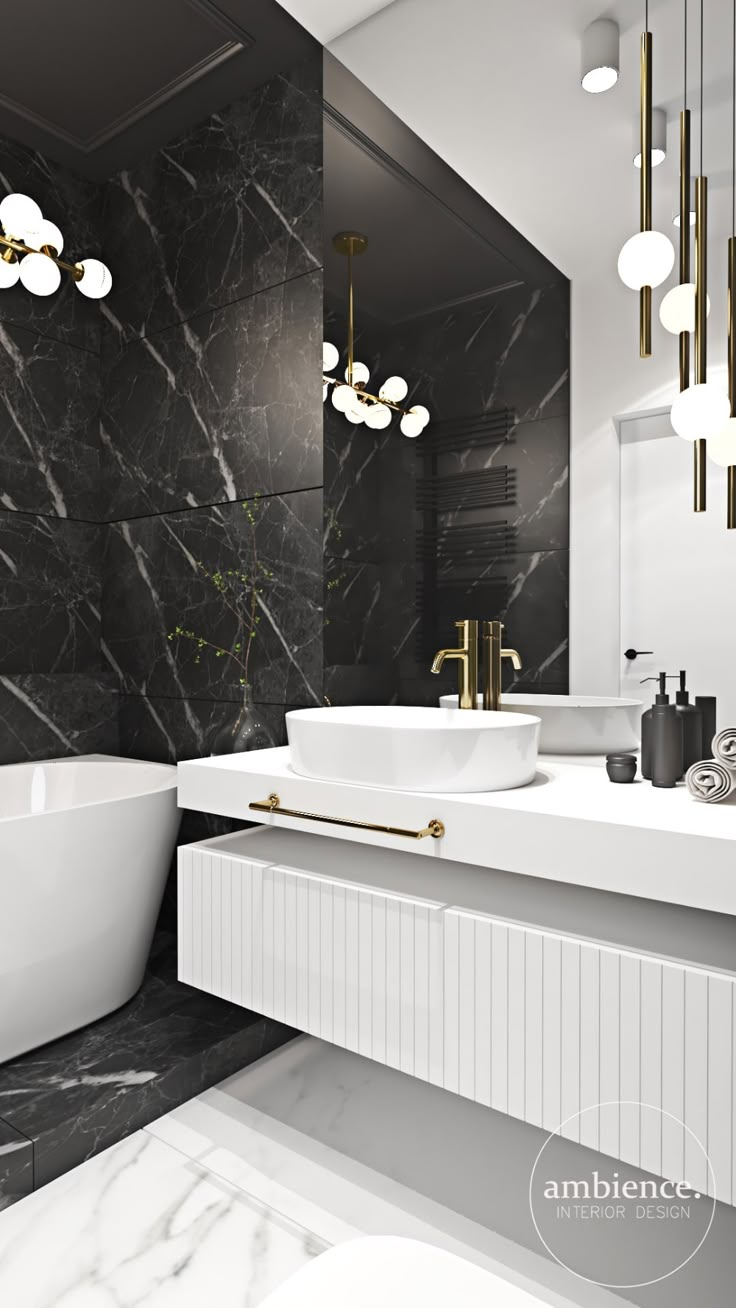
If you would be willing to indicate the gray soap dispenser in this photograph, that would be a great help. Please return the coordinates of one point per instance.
(662, 740)
(692, 723)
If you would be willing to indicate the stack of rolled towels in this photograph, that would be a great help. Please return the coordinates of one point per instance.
(715, 778)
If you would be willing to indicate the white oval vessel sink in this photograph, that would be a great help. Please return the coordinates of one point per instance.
(434, 749)
(576, 724)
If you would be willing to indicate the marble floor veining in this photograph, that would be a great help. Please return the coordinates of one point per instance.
(222, 1199)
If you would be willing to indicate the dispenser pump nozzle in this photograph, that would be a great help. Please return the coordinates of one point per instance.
(682, 696)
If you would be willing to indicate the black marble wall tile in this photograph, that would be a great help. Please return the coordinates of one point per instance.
(58, 715)
(82, 1093)
(354, 612)
(355, 488)
(49, 425)
(16, 1165)
(153, 582)
(167, 730)
(226, 406)
(75, 206)
(50, 594)
(230, 208)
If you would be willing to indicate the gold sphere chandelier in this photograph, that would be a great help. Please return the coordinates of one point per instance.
(30, 247)
(350, 396)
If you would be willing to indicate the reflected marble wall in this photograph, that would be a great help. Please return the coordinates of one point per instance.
(509, 351)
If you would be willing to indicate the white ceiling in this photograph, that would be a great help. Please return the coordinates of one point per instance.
(327, 19)
(494, 88)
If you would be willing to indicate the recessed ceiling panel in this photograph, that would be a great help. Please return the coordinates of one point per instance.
(86, 69)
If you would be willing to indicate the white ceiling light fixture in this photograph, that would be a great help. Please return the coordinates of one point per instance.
(658, 148)
(677, 310)
(30, 249)
(350, 397)
(599, 67)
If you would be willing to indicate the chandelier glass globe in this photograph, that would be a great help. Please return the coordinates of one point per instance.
(378, 417)
(700, 411)
(394, 389)
(356, 413)
(39, 274)
(420, 412)
(9, 273)
(360, 373)
(647, 259)
(342, 397)
(411, 425)
(722, 447)
(330, 357)
(677, 310)
(20, 214)
(45, 234)
(96, 279)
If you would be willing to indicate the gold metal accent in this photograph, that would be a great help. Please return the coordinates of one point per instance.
(467, 656)
(701, 352)
(493, 654)
(645, 186)
(362, 394)
(434, 828)
(731, 500)
(74, 270)
(684, 237)
(349, 244)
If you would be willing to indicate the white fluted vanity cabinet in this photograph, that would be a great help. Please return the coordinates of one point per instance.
(532, 993)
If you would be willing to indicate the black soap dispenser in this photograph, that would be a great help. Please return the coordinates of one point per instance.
(692, 724)
(662, 740)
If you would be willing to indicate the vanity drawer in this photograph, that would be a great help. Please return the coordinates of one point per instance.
(360, 967)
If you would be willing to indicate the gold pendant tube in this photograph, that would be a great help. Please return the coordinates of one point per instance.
(684, 237)
(701, 301)
(731, 501)
(645, 186)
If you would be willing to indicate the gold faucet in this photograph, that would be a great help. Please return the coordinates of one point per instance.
(467, 656)
(493, 654)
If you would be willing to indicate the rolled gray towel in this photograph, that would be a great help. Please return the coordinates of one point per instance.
(710, 781)
(724, 747)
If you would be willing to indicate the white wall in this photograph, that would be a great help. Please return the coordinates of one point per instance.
(494, 89)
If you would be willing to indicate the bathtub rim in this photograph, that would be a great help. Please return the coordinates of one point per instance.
(170, 784)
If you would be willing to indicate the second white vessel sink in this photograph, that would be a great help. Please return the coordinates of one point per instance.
(432, 749)
(575, 724)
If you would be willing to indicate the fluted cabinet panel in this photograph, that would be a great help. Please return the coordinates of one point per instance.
(631, 1055)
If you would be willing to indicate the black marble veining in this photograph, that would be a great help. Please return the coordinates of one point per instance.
(232, 207)
(53, 716)
(49, 425)
(78, 1095)
(50, 594)
(223, 407)
(154, 581)
(16, 1165)
(169, 729)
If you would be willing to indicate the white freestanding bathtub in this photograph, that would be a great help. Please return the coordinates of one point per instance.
(85, 847)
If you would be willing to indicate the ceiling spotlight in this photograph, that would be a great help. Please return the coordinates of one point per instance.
(600, 61)
(659, 139)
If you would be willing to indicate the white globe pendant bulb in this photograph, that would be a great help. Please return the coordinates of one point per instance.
(19, 214)
(421, 413)
(411, 425)
(330, 356)
(394, 389)
(45, 234)
(342, 397)
(360, 373)
(722, 447)
(39, 274)
(378, 417)
(96, 279)
(9, 274)
(646, 259)
(356, 413)
(325, 389)
(700, 411)
(677, 310)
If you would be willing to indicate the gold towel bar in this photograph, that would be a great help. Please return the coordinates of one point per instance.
(435, 828)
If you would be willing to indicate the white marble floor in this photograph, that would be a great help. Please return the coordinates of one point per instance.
(222, 1200)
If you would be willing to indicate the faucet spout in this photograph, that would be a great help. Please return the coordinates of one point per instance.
(443, 654)
(515, 658)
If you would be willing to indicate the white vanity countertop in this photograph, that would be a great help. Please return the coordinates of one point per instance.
(571, 824)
